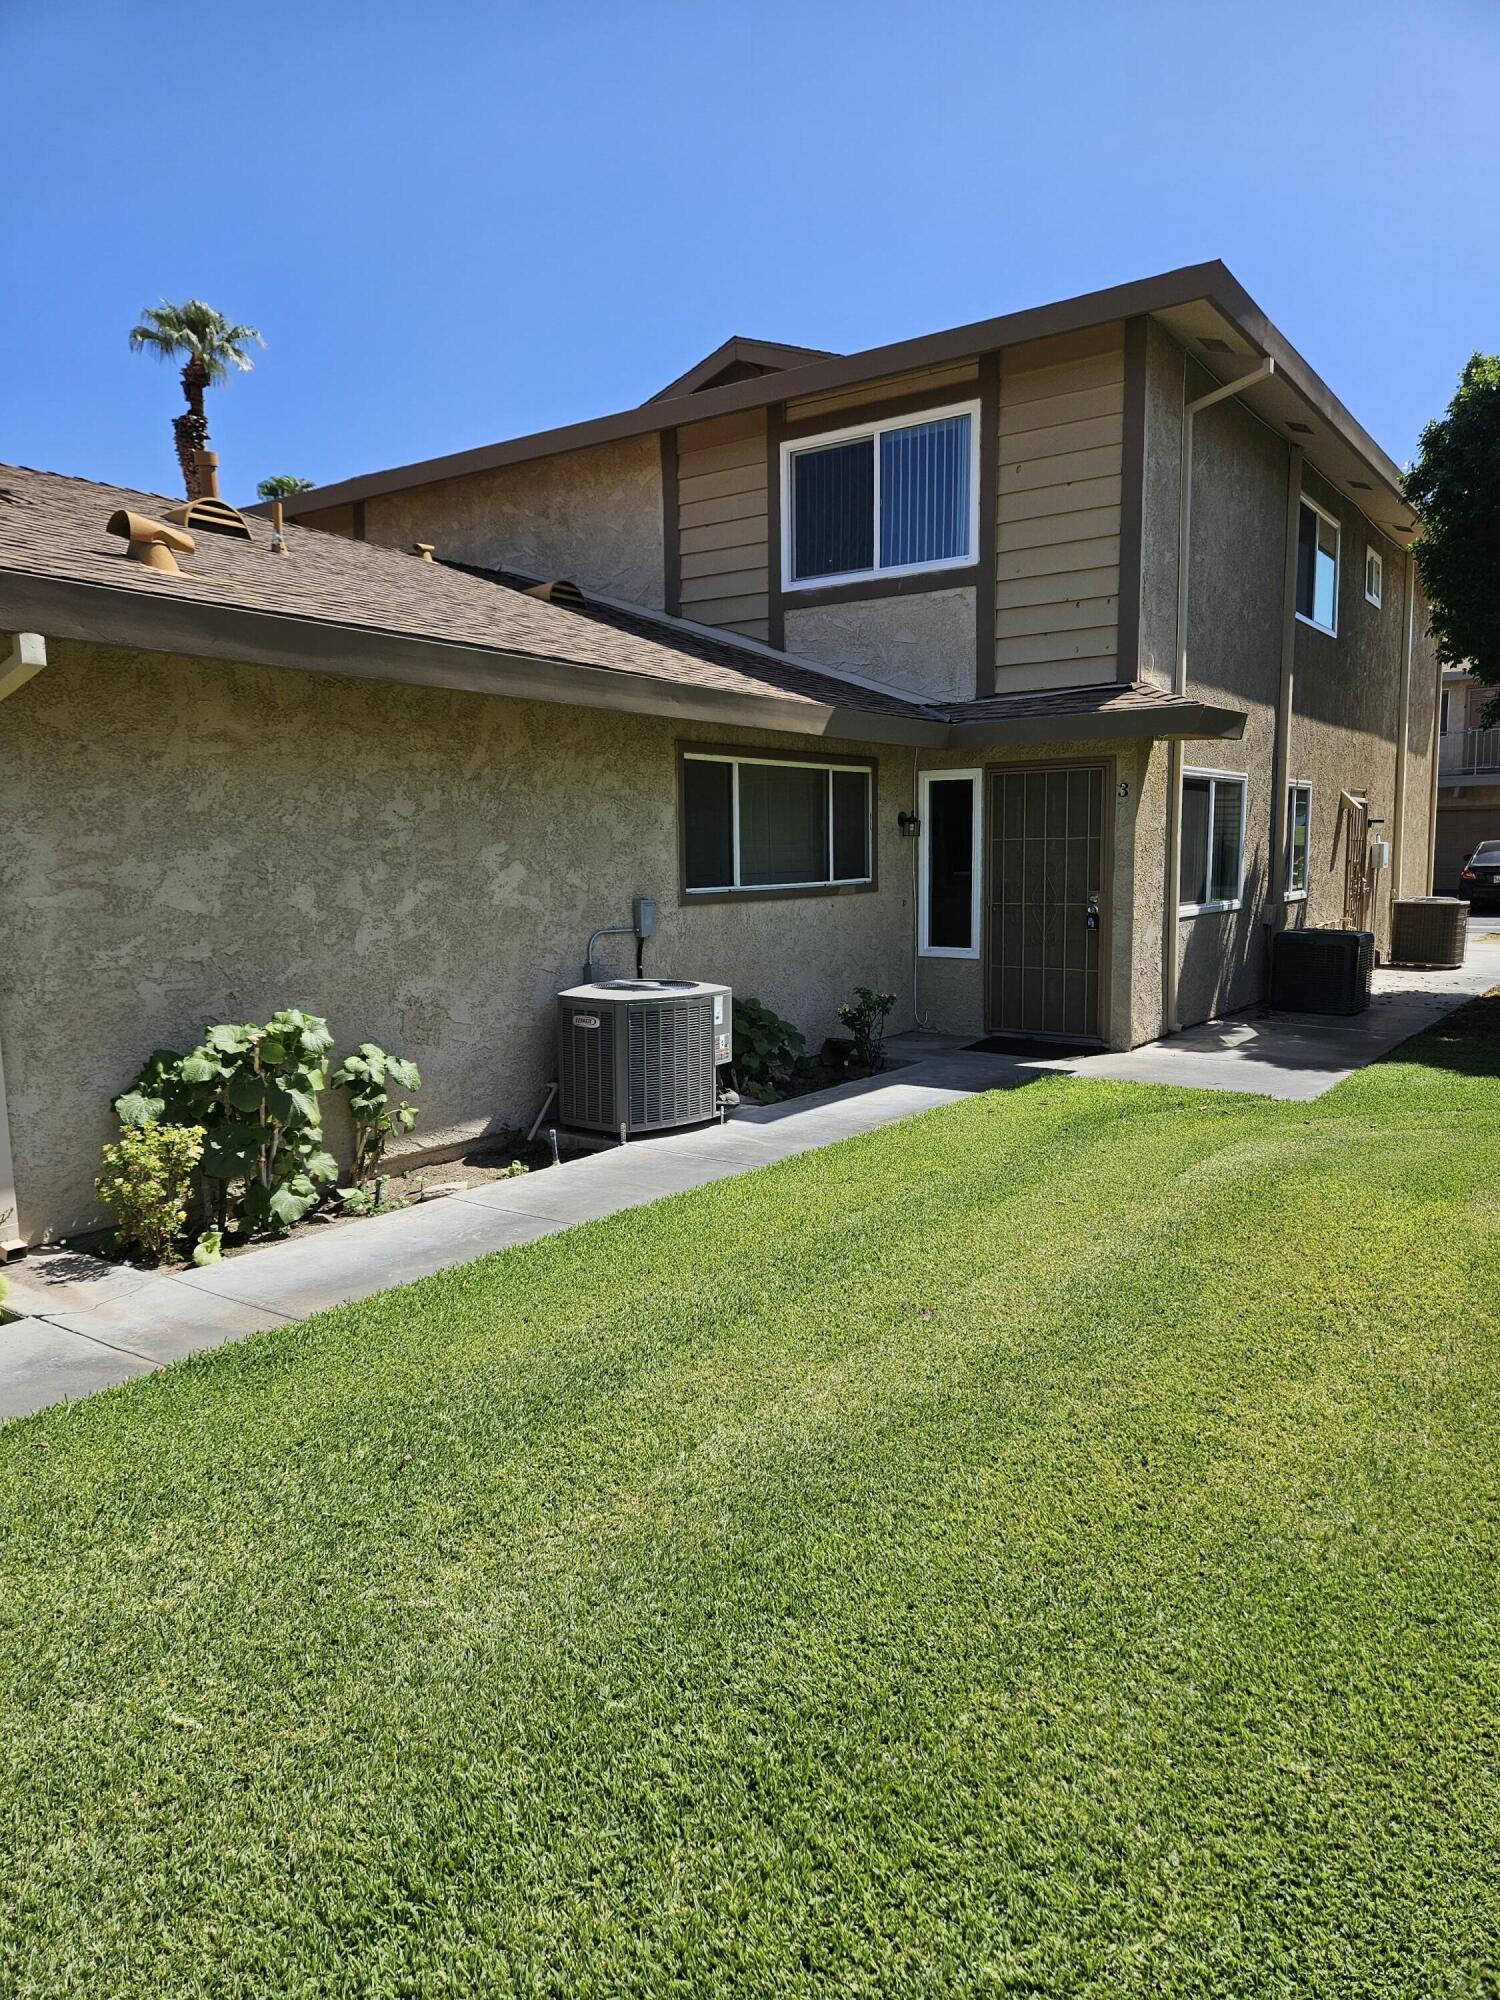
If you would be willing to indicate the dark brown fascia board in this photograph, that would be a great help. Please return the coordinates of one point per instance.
(100, 614)
(1195, 720)
(1211, 281)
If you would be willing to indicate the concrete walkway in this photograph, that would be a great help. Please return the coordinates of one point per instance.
(86, 1324)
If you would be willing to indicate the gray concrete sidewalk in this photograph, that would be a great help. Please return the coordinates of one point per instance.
(87, 1324)
(1295, 1056)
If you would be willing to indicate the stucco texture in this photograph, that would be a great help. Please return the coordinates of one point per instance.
(593, 516)
(191, 841)
(921, 644)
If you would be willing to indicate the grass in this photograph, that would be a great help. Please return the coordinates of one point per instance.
(1046, 1547)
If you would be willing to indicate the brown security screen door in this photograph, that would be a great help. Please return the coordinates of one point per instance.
(1046, 878)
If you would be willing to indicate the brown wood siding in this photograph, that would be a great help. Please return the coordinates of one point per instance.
(952, 383)
(1057, 553)
(722, 523)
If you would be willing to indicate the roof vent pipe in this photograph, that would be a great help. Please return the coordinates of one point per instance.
(151, 542)
(424, 550)
(207, 463)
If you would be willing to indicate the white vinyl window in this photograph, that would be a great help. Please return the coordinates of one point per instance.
(761, 823)
(948, 864)
(1298, 838)
(881, 499)
(1317, 567)
(1212, 873)
(1374, 577)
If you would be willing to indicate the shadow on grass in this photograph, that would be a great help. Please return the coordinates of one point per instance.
(1464, 1043)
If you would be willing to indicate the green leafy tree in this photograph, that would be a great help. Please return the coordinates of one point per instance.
(282, 485)
(1455, 488)
(209, 346)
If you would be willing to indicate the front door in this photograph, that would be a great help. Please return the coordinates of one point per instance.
(1046, 880)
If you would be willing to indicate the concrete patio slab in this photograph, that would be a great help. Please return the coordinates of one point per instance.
(88, 1324)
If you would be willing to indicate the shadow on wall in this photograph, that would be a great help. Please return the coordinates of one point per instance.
(1224, 963)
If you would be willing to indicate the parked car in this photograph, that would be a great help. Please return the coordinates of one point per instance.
(1480, 880)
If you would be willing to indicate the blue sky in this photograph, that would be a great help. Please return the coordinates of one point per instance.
(459, 222)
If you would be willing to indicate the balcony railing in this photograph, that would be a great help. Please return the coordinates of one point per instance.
(1469, 753)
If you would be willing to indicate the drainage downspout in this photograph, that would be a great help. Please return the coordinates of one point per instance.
(1281, 763)
(27, 657)
(1403, 731)
(1172, 898)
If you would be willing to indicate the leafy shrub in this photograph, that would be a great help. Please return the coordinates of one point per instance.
(766, 1050)
(366, 1079)
(147, 1177)
(254, 1091)
(864, 1017)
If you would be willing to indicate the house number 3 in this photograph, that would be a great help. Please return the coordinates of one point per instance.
(1124, 791)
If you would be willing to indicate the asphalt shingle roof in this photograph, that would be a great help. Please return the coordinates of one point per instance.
(53, 526)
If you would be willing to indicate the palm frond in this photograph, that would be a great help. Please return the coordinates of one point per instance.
(197, 332)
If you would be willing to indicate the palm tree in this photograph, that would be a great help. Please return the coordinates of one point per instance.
(212, 345)
(282, 485)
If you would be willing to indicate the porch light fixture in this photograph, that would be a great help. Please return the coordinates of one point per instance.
(909, 824)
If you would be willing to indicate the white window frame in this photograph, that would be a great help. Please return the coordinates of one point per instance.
(925, 782)
(1330, 631)
(830, 881)
(1290, 894)
(875, 430)
(1377, 595)
(1217, 778)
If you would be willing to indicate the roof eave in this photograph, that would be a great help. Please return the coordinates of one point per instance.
(1188, 720)
(69, 608)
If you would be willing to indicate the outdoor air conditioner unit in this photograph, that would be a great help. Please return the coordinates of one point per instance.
(1321, 971)
(641, 1055)
(1429, 930)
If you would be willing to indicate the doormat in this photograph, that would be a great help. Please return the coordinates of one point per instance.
(1030, 1045)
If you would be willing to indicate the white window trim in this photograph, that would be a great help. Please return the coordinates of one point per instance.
(1329, 631)
(829, 881)
(925, 782)
(1289, 894)
(875, 430)
(1377, 595)
(1242, 779)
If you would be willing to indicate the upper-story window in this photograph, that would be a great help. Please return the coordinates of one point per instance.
(1317, 567)
(882, 499)
(1374, 576)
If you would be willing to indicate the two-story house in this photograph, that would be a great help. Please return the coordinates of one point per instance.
(1034, 671)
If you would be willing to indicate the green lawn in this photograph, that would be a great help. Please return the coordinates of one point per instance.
(1047, 1547)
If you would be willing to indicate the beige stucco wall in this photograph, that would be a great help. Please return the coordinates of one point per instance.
(1345, 688)
(593, 516)
(923, 644)
(423, 867)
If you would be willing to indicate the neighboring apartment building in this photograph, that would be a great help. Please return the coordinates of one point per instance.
(880, 669)
(1468, 807)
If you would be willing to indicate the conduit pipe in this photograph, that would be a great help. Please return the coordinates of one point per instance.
(1403, 732)
(26, 657)
(1281, 762)
(1172, 897)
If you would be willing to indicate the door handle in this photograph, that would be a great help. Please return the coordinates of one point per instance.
(1091, 918)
